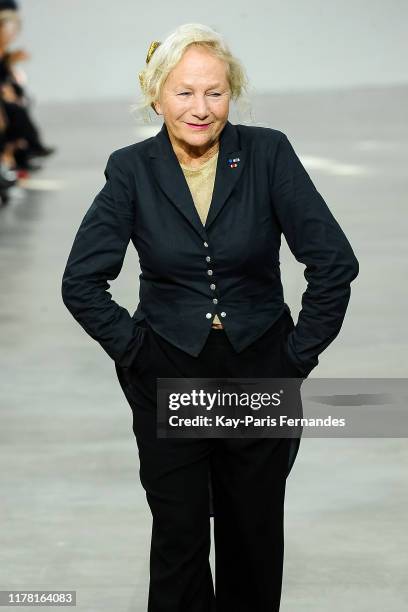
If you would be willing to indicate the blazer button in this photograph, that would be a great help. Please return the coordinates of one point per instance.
(215, 301)
(209, 272)
(205, 244)
(208, 315)
(223, 314)
(208, 258)
(212, 286)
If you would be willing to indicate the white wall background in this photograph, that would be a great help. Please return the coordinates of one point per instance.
(94, 49)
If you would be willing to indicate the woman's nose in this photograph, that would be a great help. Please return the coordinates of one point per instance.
(199, 106)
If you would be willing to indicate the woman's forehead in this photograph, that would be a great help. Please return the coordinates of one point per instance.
(188, 72)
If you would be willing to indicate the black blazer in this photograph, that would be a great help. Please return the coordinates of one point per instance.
(229, 266)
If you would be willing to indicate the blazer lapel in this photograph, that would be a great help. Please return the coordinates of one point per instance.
(171, 180)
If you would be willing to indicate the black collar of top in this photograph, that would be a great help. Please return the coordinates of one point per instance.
(8, 5)
(171, 179)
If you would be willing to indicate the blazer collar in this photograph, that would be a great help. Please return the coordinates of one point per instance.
(171, 179)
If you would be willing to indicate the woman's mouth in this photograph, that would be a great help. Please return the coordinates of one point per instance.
(198, 126)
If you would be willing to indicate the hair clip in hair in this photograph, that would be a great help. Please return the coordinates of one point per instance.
(152, 49)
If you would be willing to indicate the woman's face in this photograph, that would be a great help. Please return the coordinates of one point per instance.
(9, 29)
(196, 92)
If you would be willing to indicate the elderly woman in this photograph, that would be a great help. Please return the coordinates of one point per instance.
(205, 203)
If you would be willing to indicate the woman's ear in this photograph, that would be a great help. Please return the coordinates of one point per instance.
(156, 107)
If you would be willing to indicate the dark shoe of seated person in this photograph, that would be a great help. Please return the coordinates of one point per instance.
(40, 151)
(23, 162)
(4, 197)
(27, 165)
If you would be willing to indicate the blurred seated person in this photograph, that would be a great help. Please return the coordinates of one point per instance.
(20, 133)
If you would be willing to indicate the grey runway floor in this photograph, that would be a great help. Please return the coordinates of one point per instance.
(74, 515)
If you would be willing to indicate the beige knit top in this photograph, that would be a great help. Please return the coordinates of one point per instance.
(201, 183)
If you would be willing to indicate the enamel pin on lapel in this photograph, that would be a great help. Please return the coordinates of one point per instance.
(233, 162)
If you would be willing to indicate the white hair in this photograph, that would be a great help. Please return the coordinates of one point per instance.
(169, 52)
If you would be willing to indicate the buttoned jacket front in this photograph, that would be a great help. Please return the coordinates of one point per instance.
(229, 266)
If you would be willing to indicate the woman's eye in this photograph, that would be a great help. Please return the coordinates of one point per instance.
(187, 93)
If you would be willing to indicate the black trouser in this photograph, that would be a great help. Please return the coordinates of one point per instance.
(20, 125)
(248, 484)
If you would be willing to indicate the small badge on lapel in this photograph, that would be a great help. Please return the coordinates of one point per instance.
(233, 162)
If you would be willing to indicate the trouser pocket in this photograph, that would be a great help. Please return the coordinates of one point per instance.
(140, 362)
